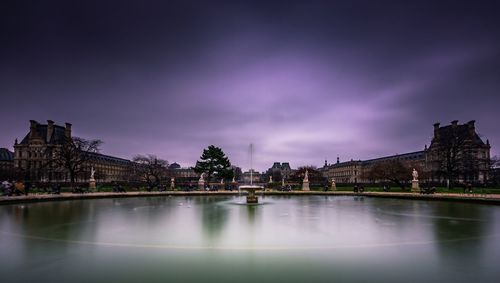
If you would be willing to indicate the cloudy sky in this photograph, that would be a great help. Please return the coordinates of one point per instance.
(304, 81)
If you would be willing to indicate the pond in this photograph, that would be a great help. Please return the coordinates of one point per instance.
(221, 239)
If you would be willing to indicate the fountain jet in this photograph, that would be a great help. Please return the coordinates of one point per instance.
(251, 197)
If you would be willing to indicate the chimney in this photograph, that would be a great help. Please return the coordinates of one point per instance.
(338, 160)
(33, 126)
(67, 131)
(436, 130)
(50, 130)
(472, 127)
(454, 123)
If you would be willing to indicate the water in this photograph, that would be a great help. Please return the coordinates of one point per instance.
(217, 239)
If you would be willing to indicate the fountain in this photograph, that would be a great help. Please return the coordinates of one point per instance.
(251, 197)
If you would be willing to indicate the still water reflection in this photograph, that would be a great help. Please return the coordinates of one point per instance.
(216, 239)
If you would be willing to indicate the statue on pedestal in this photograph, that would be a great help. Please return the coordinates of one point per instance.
(172, 183)
(92, 172)
(414, 183)
(92, 182)
(201, 182)
(334, 185)
(415, 175)
(305, 182)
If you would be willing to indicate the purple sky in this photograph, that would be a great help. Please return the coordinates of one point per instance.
(302, 80)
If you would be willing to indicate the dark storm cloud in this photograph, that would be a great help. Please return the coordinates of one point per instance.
(303, 80)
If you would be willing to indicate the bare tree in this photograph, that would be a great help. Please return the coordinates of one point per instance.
(495, 162)
(74, 155)
(150, 168)
(11, 173)
(494, 173)
(455, 155)
(395, 171)
(315, 176)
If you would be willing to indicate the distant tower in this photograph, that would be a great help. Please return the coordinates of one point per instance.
(326, 163)
(338, 159)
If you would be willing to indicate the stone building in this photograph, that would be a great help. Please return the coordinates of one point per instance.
(6, 164)
(414, 159)
(348, 172)
(471, 158)
(354, 171)
(110, 168)
(458, 153)
(182, 174)
(34, 156)
(253, 175)
(6, 159)
(279, 171)
(174, 165)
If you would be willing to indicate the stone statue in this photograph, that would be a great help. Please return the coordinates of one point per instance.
(221, 181)
(270, 179)
(415, 187)
(282, 182)
(92, 182)
(234, 181)
(305, 183)
(333, 181)
(415, 175)
(201, 182)
(172, 182)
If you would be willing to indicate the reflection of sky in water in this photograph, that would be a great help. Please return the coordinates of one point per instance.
(281, 239)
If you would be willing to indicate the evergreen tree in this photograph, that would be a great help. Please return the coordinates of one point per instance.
(214, 163)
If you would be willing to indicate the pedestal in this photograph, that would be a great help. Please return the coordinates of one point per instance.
(201, 186)
(305, 186)
(251, 198)
(92, 185)
(334, 187)
(414, 186)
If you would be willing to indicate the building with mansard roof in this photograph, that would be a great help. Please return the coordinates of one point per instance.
(34, 156)
(470, 154)
(458, 153)
(6, 159)
(279, 171)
